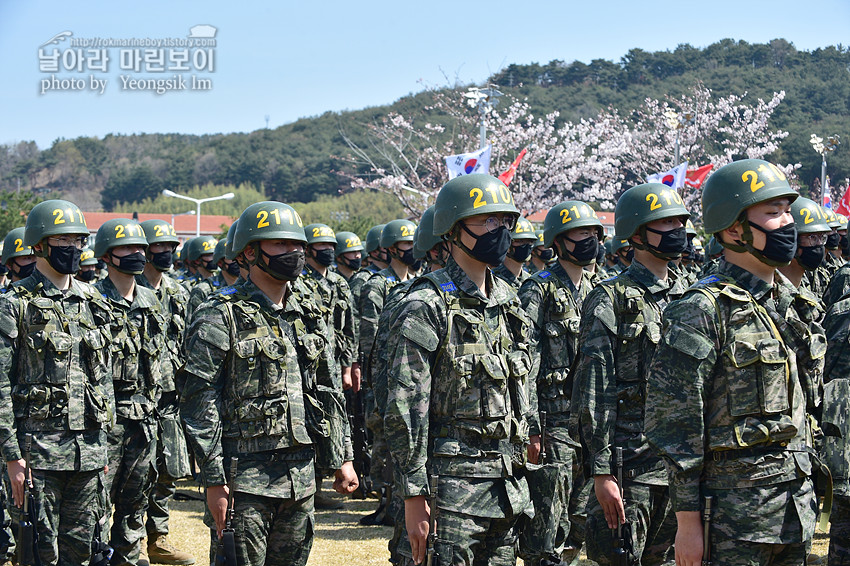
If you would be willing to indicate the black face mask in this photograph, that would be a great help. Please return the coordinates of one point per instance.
(546, 255)
(629, 256)
(64, 259)
(23, 271)
(406, 257)
(233, 268)
(490, 247)
(210, 266)
(86, 275)
(417, 265)
(780, 247)
(162, 260)
(811, 256)
(833, 240)
(844, 243)
(673, 243)
(324, 257)
(283, 267)
(520, 253)
(132, 264)
(353, 264)
(584, 251)
(100, 264)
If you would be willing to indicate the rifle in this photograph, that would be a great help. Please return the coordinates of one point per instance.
(225, 554)
(431, 552)
(27, 530)
(624, 552)
(706, 530)
(360, 442)
(542, 458)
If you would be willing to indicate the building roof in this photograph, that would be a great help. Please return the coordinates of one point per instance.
(606, 218)
(184, 225)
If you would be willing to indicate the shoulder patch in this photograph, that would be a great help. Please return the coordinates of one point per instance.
(105, 296)
(448, 287)
(392, 278)
(708, 280)
(544, 274)
(227, 291)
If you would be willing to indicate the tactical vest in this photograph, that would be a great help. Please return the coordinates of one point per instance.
(136, 355)
(479, 398)
(755, 405)
(559, 342)
(268, 402)
(61, 365)
(175, 309)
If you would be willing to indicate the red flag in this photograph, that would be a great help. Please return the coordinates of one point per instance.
(695, 177)
(508, 175)
(844, 204)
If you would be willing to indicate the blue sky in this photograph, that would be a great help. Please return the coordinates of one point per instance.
(290, 59)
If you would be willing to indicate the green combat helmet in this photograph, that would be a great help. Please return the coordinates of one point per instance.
(425, 237)
(347, 242)
(540, 238)
(230, 252)
(53, 218)
(198, 246)
(160, 232)
(397, 231)
(689, 228)
(118, 232)
(469, 195)
(270, 220)
(735, 187)
(13, 245)
(220, 251)
(319, 234)
(646, 203)
(373, 238)
(87, 257)
(523, 231)
(808, 216)
(566, 216)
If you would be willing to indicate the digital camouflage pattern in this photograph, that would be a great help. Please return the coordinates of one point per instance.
(553, 303)
(137, 344)
(508, 276)
(838, 285)
(727, 411)
(620, 330)
(332, 293)
(55, 368)
(835, 423)
(458, 399)
(203, 288)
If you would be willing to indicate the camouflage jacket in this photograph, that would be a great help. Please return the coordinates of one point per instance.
(137, 344)
(55, 368)
(553, 304)
(458, 392)
(372, 297)
(838, 285)
(508, 276)
(333, 293)
(725, 407)
(835, 420)
(252, 391)
(203, 288)
(620, 329)
(173, 297)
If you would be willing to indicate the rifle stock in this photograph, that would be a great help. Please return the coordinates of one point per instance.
(431, 552)
(226, 552)
(27, 530)
(708, 503)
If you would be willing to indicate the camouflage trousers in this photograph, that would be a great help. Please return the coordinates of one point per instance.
(69, 505)
(271, 531)
(552, 486)
(652, 520)
(132, 473)
(7, 539)
(839, 531)
(172, 463)
(738, 552)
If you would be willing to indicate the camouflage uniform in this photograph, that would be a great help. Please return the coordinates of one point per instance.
(727, 412)
(457, 400)
(137, 345)
(172, 457)
(554, 304)
(202, 289)
(838, 285)
(507, 275)
(835, 422)
(620, 329)
(55, 369)
(251, 391)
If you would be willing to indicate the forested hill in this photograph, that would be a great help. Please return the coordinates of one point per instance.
(300, 161)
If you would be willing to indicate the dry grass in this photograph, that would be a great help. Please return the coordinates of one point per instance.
(339, 537)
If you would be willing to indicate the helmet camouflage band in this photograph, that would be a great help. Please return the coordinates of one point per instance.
(809, 217)
(566, 216)
(397, 231)
(268, 220)
(347, 242)
(198, 246)
(160, 232)
(13, 245)
(54, 218)
(319, 234)
(119, 232)
(470, 195)
(523, 231)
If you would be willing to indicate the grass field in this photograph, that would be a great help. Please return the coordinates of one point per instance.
(339, 537)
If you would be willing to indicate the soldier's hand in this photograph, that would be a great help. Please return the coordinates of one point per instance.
(534, 449)
(345, 479)
(346, 378)
(416, 519)
(608, 495)
(17, 468)
(217, 503)
(355, 377)
(689, 538)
